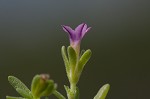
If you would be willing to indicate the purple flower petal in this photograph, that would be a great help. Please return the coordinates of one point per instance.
(68, 30)
(79, 27)
(85, 31)
(84, 28)
(78, 30)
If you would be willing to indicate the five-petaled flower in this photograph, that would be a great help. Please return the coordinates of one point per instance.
(76, 35)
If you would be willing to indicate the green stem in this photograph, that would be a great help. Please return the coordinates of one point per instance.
(58, 95)
(72, 93)
(73, 87)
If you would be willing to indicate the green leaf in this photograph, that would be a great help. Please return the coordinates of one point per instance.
(16, 83)
(58, 94)
(67, 89)
(72, 58)
(10, 97)
(24, 93)
(102, 92)
(83, 60)
(65, 58)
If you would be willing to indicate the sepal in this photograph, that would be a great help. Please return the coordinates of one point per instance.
(50, 88)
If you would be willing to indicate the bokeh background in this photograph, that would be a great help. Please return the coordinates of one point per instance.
(31, 37)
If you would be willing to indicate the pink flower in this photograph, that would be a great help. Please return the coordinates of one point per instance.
(76, 35)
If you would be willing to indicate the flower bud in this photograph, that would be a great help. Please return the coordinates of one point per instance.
(42, 86)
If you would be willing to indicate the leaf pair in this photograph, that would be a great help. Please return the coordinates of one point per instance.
(70, 61)
(74, 63)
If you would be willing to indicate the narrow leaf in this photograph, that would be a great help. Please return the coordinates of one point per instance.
(102, 92)
(72, 57)
(10, 97)
(16, 83)
(65, 58)
(24, 93)
(58, 95)
(67, 89)
(83, 60)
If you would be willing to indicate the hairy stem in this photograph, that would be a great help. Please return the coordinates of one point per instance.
(72, 93)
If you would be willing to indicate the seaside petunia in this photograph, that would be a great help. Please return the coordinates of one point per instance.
(76, 35)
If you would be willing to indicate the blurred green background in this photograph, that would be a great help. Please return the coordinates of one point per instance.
(31, 37)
